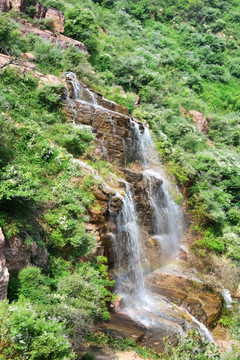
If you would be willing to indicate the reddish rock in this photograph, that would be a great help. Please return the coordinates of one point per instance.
(57, 17)
(29, 56)
(199, 302)
(4, 59)
(200, 120)
(4, 275)
(227, 346)
(57, 39)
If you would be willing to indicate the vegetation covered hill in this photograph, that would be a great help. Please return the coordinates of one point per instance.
(161, 59)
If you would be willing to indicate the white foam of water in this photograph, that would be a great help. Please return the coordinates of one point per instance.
(227, 298)
(201, 327)
(128, 264)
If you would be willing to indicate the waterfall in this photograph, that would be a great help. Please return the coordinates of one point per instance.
(129, 267)
(166, 218)
(139, 302)
(128, 238)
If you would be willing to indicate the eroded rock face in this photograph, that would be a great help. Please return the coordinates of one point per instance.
(202, 304)
(40, 10)
(4, 274)
(16, 254)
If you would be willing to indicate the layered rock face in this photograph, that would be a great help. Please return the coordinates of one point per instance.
(111, 124)
(4, 274)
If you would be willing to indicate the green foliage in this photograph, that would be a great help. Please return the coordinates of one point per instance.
(192, 346)
(34, 285)
(80, 24)
(127, 344)
(11, 41)
(26, 333)
(74, 139)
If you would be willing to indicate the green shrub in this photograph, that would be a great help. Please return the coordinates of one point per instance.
(11, 41)
(34, 286)
(192, 346)
(26, 333)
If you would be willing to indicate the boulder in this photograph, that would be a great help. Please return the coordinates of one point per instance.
(200, 120)
(57, 17)
(29, 56)
(16, 253)
(4, 274)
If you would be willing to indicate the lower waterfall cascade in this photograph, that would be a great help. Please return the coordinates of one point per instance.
(131, 263)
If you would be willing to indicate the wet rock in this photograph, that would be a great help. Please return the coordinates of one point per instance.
(203, 305)
(121, 326)
(4, 274)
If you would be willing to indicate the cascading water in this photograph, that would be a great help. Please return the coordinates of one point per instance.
(166, 217)
(129, 267)
(139, 302)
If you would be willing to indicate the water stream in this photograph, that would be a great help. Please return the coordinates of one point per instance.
(130, 264)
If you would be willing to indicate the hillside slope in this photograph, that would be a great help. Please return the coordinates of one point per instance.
(173, 65)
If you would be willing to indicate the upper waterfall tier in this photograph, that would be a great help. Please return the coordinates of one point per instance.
(113, 127)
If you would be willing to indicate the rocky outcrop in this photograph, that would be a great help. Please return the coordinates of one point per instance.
(41, 12)
(16, 253)
(202, 304)
(112, 125)
(4, 5)
(57, 17)
(4, 275)
(55, 38)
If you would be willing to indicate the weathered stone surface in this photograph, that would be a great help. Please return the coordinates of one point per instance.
(200, 120)
(58, 39)
(19, 5)
(57, 17)
(5, 5)
(4, 59)
(40, 10)
(29, 56)
(199, 302)
(4, 275)
(112, 129)
(16, 254)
